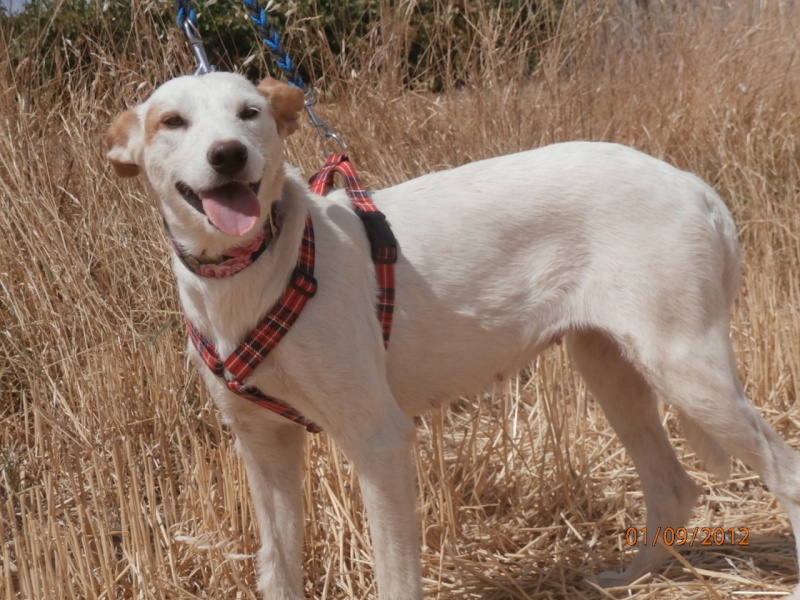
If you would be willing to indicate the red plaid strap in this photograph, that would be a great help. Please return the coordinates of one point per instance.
(260, 342)
(302, 286)
(276, 324)
(381, 239)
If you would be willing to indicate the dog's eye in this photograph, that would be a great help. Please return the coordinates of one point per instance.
(174, 122)
(248, 113)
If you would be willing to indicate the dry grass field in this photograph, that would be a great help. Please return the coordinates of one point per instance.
(117, 479)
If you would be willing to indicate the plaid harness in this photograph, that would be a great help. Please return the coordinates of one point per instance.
(260, 342)
(235, 370)
(382, 242)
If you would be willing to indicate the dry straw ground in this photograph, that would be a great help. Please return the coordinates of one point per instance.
(116, 478)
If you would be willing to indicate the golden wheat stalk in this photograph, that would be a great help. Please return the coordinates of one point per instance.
(116, 477)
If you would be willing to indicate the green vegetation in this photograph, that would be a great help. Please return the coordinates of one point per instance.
(441, 43)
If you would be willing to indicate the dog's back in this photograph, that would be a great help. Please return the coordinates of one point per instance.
(501, 257)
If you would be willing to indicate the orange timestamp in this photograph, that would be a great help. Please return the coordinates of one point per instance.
(688, 536)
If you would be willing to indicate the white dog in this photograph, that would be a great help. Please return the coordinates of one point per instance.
(633, 262)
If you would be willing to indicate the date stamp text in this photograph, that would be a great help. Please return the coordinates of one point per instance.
(688, 536)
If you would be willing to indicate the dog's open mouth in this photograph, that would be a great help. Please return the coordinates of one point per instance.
(232, 208)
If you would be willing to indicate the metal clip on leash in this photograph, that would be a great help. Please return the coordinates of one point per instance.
(187, 22)
(325, 131)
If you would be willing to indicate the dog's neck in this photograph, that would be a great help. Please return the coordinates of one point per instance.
(226, 309)
(232, 260)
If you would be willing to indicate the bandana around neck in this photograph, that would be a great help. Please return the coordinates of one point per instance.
(233, 260)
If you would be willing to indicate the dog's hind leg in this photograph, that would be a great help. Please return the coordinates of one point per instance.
(697, 374)
(630, 406)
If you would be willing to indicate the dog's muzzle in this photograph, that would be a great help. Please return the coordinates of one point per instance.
(233, 207)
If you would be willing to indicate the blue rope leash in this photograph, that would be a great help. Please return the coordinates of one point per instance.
(258, 16)
(185, 11)
(270, 38)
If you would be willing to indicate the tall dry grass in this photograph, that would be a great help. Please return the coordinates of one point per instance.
(116, 478)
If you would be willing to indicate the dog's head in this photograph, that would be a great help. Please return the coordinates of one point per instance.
(211, 149)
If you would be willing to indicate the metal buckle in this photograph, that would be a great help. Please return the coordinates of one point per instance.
(324, 130)
(303, 283)
(193, 35)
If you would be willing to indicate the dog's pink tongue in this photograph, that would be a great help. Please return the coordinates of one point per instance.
(232, 208)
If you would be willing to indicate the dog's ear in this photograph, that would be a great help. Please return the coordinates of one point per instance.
(124, 142)
(285, 101)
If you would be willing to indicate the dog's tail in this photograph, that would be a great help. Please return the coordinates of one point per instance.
(715, 458)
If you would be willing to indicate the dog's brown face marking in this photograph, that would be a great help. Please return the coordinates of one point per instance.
(286, 103)
(117, 136)
(157, 120)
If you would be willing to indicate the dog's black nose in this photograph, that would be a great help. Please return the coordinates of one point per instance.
(227, 158)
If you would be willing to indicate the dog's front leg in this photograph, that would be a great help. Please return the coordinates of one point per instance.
(380, 446)
(273, 457)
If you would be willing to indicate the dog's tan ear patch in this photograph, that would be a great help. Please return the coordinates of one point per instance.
(124, 142)
(286, 103)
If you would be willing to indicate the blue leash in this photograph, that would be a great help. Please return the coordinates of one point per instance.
(187, 23)
(270, 38)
